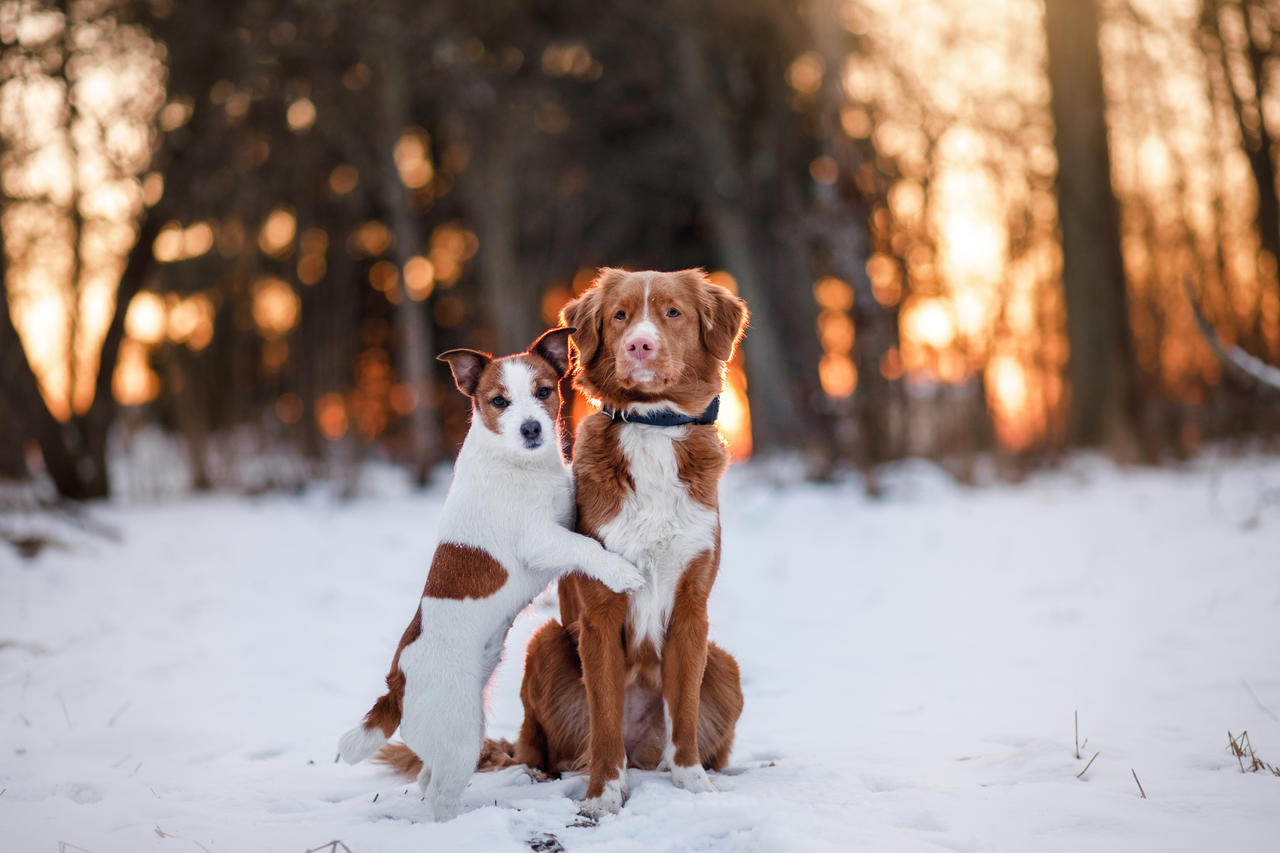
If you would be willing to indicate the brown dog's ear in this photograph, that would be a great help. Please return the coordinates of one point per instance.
(723, 318)
(554, 347)
(583, 314)
(467, 365)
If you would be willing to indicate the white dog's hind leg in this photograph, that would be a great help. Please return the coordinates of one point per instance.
(455, 740)
(450, 774)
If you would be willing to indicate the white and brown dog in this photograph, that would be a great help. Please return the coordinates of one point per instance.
(503, 537)
(633, 678)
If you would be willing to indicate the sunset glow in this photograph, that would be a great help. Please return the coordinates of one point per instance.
(735, 414)
(966, 252)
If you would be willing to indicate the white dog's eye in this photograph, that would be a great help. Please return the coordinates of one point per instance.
(500, 402)
(544, 392)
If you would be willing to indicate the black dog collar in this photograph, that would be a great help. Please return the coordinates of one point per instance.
(664, 417)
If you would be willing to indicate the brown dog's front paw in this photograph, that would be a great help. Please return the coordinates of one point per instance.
(609, 801)
(692, 778)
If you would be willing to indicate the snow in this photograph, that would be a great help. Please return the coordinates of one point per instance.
(175, 676)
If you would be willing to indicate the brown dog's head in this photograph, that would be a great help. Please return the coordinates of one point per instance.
(517, 398)
(646, 337)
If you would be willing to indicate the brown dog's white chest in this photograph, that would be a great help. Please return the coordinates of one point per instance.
(659, 526)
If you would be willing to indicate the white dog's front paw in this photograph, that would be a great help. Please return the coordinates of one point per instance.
(621, 575)
(614, 795)
(693, 779)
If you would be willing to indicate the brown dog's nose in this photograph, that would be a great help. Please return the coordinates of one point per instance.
(640, 347)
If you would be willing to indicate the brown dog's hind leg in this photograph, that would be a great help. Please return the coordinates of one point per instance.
(495, 755)
(719, 708)
(554, 735)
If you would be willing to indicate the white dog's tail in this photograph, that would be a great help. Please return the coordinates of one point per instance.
(381, 721)
(384, 717)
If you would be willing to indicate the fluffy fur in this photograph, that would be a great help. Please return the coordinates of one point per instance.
(503, 536)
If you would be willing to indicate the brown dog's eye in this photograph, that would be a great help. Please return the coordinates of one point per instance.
(621, 315)
(500, 402)
(544, 392)
(672, 312)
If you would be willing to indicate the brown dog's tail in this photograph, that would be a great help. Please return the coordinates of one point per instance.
(383, 719)
(494, 755)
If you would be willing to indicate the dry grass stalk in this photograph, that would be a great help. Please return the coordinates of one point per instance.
(160, 832)
(1079, 745)
(111, 722)
(1135, 778)
(1087, 766)
(1242, 749)
(332, 847)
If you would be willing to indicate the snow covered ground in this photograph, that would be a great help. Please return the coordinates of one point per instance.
(176, 677)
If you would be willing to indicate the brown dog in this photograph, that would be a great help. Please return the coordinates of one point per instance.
(633, 676)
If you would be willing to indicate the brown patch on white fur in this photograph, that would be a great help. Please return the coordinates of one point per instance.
(489, 389)
(545, 376)
(460, 571)
(457, 572)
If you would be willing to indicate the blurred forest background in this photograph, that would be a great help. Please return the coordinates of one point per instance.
(965, 227)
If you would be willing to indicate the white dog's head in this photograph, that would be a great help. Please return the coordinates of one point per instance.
(516, 398)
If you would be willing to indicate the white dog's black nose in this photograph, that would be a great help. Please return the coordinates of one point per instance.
(531, 430)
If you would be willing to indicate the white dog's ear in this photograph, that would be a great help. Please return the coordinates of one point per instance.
(467, 365)
(554, 347)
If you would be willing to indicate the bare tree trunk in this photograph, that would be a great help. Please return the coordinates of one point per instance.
(1254, 136)
(188, 411)
(13, 465)
(414, 344)
(776, 410)
(94, 425)
(74, 213)
(25, 405)
(844, 230)
(512, 309)
(1100, 365)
